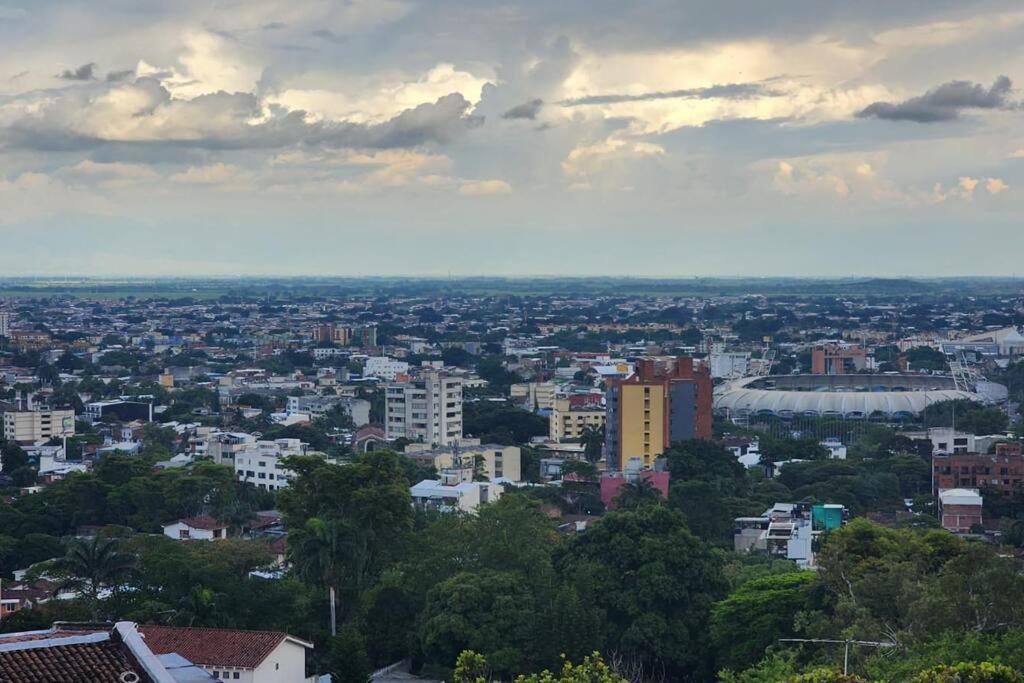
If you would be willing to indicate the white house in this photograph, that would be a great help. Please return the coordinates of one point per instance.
(466, 496)
(230, 655)
(201, 528)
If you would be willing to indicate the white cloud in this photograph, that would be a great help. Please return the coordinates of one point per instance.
(995, 185)
(476, 188)
(589, 159)
(212, 174)
(379, 97)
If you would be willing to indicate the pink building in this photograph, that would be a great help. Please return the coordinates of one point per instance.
(613, 482)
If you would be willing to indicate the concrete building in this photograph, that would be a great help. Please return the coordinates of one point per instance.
(450, 495)
(427, 409)
(729, 365)
(259, 463)
(664, 401)
(31, 426)
(567, 422)
(330, 333)
(495, 461)
(960, 509)
(838, 359)
(788, 530)
(317, 406)
(5, 324)
(125, 411)
(385, 368)
(534, 395)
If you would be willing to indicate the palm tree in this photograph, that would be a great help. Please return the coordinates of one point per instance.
(321, 552)
(90, 565)
(637, 494)
(201, 607)
(592, 440)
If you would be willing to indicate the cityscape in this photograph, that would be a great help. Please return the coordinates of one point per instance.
(398, 341)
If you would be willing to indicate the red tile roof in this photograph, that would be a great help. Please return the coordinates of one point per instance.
(39, 661)
(213, 646)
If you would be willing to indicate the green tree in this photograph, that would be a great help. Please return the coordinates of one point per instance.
(755, 616)
(347, 661)
(92, 565)
(592, 439)
(324, 552)
(656, 583)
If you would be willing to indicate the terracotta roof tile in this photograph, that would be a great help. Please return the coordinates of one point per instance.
(102, 662)
(213, 646)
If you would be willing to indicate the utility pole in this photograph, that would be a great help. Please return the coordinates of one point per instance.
(846, 646)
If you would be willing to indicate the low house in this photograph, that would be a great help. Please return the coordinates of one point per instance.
(960, 509)
(201, 528)
(449, 495)
(231, 655)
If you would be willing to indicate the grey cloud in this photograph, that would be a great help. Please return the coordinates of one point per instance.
(273, 26)
(329, 35)
(221, 121)
(526, 110)
(82, 73)
(943, 103)
(115, 76)
(732, 91)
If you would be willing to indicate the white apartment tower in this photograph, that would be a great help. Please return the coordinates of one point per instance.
(427, 409)
(5, 324)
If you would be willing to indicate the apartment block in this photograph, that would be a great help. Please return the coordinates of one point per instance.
(30, 426)
(427, 409)
(664, 401)
(567, 422)
(838, 359)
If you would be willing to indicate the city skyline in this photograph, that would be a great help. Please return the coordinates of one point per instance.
(658, 139)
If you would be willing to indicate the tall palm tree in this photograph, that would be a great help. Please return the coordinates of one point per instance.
(592, 440)
(322, 552)
(90, 565)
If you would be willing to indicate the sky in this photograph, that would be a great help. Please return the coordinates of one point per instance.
(662, 138)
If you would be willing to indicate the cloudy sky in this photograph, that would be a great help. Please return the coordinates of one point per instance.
(657, 137)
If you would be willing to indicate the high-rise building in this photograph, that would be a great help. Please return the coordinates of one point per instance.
(664, 401)
(32, 426)
(837, 359)
(331, 333)
(5, 324)
(426, 409)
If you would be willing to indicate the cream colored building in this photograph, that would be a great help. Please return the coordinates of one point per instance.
(535, 395)
(30, 426)
(496, 461)
(567, 423)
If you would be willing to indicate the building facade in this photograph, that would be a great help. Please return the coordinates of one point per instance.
(1002, 470)
(663, 402)
(838, 359)
(30, 426)
(385, 368)
(427, 409)
(493, 461)
(567, 422)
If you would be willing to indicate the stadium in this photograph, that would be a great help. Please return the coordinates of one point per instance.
(894, 397)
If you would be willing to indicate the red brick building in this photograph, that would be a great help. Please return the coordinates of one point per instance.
(1002, 471)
